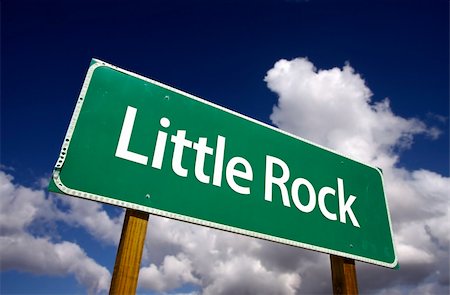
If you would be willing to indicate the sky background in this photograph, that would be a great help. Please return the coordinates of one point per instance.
(371, 81)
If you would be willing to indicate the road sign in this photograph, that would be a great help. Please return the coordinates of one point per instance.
(139, 144)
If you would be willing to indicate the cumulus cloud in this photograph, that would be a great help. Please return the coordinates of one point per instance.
(173, 273)
(92, 217)
(24, 248)
(217, 262)
(334, 108)
(41, 256)
(246, 275)
(19, 206)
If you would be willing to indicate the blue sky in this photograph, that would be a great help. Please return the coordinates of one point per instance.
(222, 51)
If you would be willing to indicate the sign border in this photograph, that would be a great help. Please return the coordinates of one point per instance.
(96, 63)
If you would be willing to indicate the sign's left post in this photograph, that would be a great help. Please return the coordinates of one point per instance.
(129, 253)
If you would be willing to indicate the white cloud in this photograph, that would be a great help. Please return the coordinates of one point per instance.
(21, 208)
(91, 216)
(217, 261)
(173, 273)
(334, 108)
(41, 256)
(246, 275)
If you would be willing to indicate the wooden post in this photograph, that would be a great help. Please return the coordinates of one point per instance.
(128, 258)
(343, 274)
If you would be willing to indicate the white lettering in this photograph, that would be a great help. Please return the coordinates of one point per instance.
(124, 139)
(231, 172)
(345, 207)
(180, 142)
(218, 163)
(160, 146)
(323, 208)
(270, 180)
(237, 171)
(311, 193)
(202, 150)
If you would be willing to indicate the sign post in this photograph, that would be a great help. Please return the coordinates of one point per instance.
(128, 259)
(343, 275)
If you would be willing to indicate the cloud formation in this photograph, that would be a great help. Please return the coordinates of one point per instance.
(26, 247)
(334, 108)
(216, 262)
(173, 273)
(92, 217)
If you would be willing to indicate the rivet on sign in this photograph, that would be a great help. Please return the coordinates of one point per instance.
(147, 196)
(167, 97)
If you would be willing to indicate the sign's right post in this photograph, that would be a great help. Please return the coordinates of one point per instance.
(343, 275)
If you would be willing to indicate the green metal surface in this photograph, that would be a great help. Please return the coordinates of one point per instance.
(89, 168)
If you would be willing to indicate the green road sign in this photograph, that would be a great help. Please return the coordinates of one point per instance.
(136, 143)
